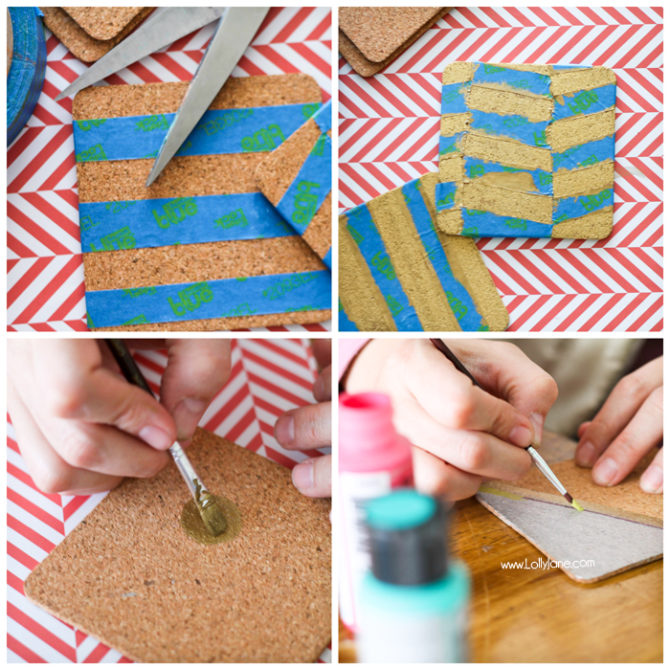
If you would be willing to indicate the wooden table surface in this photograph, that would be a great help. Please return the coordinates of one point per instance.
(542, 615)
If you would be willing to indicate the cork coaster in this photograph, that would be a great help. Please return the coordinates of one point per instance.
(282, 168)
(526, 151)
(122, 181)
(370, 38)
(398, 272)
(624, 501)
(103, 23)
(86, 48)
(130, 576)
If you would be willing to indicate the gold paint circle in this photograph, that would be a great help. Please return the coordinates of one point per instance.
(194, 526)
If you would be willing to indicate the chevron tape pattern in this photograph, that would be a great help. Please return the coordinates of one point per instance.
(388, 135)
(45, 273)
(268, 377)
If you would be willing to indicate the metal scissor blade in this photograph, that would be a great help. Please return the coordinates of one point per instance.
(232, 37)
(164, 26)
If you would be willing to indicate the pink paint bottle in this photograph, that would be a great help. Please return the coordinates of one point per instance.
(373, 460)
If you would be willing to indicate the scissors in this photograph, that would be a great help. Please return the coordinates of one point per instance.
(236, 28)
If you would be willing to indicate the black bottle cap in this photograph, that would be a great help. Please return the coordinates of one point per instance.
(407, 537)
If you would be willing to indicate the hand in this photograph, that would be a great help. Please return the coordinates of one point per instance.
(309, 428)
(462, 434)
(81, 427)
(627, 427)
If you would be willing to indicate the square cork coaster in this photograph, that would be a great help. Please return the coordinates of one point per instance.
(139, 270)
(130, 576)
(398, 272)
(526, 151)
(370, 38)
(81, 43)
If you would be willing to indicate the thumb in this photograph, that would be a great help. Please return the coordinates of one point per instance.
(312, 477)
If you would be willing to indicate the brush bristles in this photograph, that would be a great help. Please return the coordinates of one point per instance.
(213, 518)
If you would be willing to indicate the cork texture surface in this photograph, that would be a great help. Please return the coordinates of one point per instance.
(103, 23)
(184, 176)
(129, 574)
(409, 262)
(625, 501)
(276, 173)
(528, 151)
(368, 68)
(78, 41)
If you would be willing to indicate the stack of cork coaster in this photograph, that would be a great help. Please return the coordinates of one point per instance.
(131, 576)
(372, 37)
(398, 272)
(90, 32)
(201, 248)
(526, 151)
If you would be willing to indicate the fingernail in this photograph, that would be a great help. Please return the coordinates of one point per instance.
(585, 456)
(652, 479)
(605, 473)
(155, 437)
(187, 414)
(538, 424)
(285, 430)
(303, 475)
(521, 435)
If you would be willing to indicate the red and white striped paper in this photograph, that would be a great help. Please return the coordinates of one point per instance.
(45, 281)
(389, 127)
(268, 378)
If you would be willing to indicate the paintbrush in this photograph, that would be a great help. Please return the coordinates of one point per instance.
(210, 512)
(539, 462)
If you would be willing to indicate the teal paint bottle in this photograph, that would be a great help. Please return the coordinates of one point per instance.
(414, 599)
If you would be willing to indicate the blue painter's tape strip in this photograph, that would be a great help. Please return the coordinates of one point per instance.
(486, 224)
(449, 143)
(267, 294)
(164, 221)
(363, 231)
(459, 299)
(219, 131)
(573, 208)
(584, 155)
(474, 167)
(511, 125)
(328, 258)
(584, 102)
(346, 324)
(453, 98)
(539, 84)
(445, 195)
(324, 117)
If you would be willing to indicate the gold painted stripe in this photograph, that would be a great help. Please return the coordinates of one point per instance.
(458, 72)
(580, 79)
(570, 132)
(450, 124)
(507, 152)
(591, 179)
(594, 226)
(504, 202)
(501, 100)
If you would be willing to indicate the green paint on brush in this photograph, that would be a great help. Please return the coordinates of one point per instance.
(577, 506)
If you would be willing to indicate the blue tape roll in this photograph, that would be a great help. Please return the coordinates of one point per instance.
(363, 231)
(539, 84)
(219, 131)
(26, 73)
(163, 221)
(485, 224)
(512, 126)
(584, 102)
(572, 208)
(219, 298)
(346, 324)
(460, 301)
(584, 155)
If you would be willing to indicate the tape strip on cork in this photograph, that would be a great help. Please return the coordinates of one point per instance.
(230, 278)
(131, 576)
(382, 32)
(526, 151)
(296, 179)
(398, 272)
(624, 501)
(80, 43)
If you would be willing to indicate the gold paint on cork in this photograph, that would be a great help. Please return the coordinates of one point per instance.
(209, 510)
(194, 526)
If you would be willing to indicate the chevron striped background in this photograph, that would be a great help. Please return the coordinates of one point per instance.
(45, 282)
(268, 377)
(389, 128)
